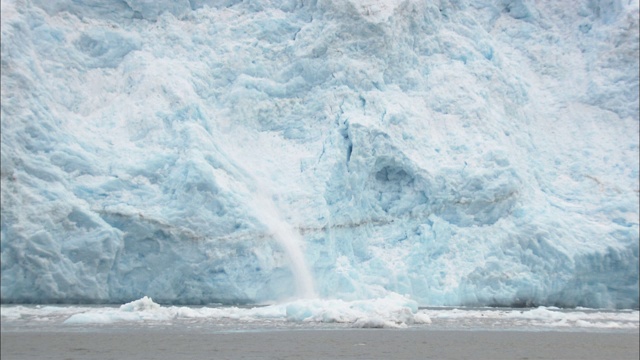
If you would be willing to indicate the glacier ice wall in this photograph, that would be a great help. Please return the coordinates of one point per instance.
(461, 152)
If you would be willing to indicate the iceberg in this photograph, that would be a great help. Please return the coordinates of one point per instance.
(461, 153)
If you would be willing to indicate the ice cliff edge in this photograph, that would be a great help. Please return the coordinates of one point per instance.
(463, 153)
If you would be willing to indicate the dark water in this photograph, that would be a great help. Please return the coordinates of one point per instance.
(319, 344)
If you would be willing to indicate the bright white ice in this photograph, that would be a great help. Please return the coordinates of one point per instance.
(460, 152)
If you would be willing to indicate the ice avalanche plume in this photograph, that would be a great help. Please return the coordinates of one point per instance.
(459, 152)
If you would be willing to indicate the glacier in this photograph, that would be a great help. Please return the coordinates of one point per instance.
(391, 312)
(461, 153)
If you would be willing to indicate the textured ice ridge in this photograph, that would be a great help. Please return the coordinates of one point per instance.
(459, 152)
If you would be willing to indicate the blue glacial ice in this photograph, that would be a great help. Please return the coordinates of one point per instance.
(456, 152)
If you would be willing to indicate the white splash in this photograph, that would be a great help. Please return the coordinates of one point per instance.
(289, 239)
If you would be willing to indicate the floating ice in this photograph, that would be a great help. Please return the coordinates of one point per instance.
(461, 152)
(391, 311)
(144, 304)
(541, 317)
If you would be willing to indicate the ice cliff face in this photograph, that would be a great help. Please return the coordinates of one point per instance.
(460, 152)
